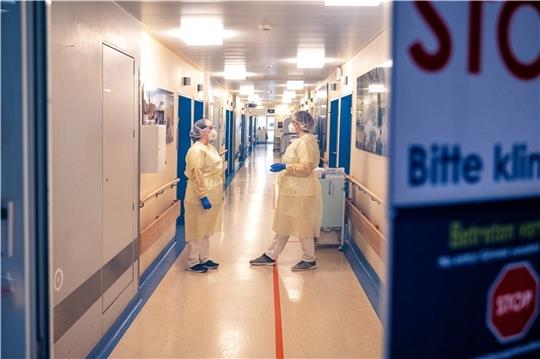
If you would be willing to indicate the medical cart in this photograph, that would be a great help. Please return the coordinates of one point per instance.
(333, 193)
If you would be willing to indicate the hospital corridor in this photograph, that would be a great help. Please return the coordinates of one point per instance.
(260, 179)
(231, 312)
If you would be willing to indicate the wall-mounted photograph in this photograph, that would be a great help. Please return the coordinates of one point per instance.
(372, 102)
(158, 107)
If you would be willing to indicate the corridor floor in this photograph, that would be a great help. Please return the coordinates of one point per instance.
(229, 312)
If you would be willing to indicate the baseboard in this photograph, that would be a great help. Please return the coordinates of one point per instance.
(230, 178)
(149, 281)
(368, 278)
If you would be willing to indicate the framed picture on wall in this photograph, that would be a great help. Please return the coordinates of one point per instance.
(372, 101)
(158, 109)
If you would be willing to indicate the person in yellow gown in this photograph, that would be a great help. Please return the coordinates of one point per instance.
(204, 196)
(299, 204)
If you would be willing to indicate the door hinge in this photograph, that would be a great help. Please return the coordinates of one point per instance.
(133, 206)
(133, 133)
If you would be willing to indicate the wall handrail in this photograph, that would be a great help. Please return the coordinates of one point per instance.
(370, 231)
(158, 192)
(364, 189)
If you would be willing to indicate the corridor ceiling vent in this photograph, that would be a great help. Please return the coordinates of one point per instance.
(310, 58)
(202, 31)
(352, 3)
(235, 71)
(295, 85)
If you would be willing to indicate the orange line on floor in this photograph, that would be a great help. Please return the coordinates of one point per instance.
(277, 315)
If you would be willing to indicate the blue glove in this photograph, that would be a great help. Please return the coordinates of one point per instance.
(206, 203)
(278, 167)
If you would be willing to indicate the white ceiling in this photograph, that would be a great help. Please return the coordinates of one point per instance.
(341, 30)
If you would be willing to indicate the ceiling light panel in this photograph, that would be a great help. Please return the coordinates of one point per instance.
(202, 31)
(295, 85)
(289, 94)
(352, 3)
(235, 71)
(310, 58)
(254, 98)
(246, 90)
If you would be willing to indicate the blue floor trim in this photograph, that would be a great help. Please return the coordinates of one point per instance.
(368, 278)
(149, 281)
(229, 179)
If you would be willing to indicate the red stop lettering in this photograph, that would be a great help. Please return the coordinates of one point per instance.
(520, 70)
(439, 59)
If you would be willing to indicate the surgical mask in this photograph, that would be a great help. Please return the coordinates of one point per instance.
(291, 128)
(213, 135)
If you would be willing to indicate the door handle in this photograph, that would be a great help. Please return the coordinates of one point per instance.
(8, 214)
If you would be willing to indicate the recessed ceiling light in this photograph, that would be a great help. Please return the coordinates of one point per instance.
(310, 58)
(246, 90)
(289, 94)
(235, 71)
(352, 3)
(387, 63)
(254, 98)
(295, 85)
(201, 31)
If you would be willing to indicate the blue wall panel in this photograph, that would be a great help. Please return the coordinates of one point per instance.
(184, 142)
(345, 133)
(334, 105)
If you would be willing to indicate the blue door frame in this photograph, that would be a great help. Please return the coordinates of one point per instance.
(184, 142)
(344, 159)
(24, 175)
(332, 148)
(232, 152)
(250, 139)
(228, 141)
(198, 110)
(243, 143)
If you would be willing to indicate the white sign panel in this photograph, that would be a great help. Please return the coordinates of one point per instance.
(466, 105)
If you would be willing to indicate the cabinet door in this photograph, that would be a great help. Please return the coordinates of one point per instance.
(118, 171)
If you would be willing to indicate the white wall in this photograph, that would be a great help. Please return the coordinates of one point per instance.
(369, 169)
(162, 68)
(78, 31)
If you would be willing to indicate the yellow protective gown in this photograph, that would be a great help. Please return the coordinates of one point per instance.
(299, 203)
(204, 170)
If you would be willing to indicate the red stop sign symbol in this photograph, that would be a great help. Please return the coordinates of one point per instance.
(513, 302)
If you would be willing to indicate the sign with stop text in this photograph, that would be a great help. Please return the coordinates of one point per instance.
(513, 302)
(464, 181)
